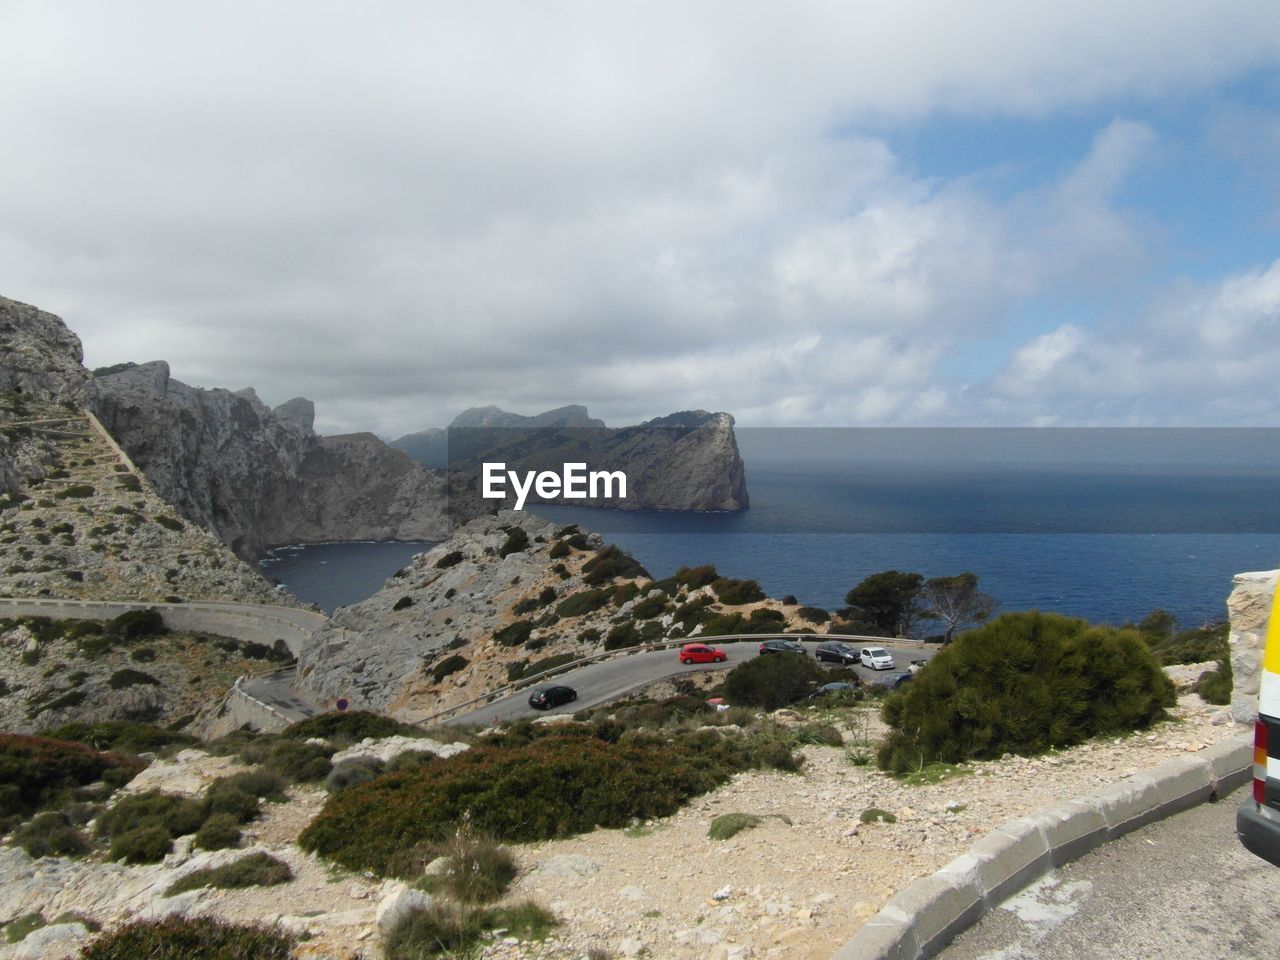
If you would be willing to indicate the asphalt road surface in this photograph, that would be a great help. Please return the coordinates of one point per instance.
(609, 680)
(1180, 889)
(276, 690)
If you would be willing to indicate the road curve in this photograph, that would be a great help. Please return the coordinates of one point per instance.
(1180, 889)
(607, 680)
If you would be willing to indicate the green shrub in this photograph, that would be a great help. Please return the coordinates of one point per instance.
(1187, 646)
(452, 930)
(695, 577)
(1022, 684)
(514, 634)
(353, 772)
(130, 484)
(37, 772)
(582, 602)
(143, 845)
(876, 815)
(220, 832)
(610, 563)
(448, 666)
(77, 491)
(737, 591)
(51, 834)
(772, 681)
(258, 784)
(477, 869)
(517, 542)
(299, 762)
(550, 663)
(822, 734)
(170, 523)
(623, 635)
(731, 824)
(255, 870)
(350, 725)
(403, 603)
(1215, 686)
(450, 559)
(767, 615)
(559, 549)
(539, 784)
(128, 677)
(649, 607)
(179, 938)
(134, 624)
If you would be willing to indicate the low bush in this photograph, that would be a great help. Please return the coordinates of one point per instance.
(142, 845)
(876, 815)
(220, 832)
(1215, 686)
(351, 726)
(452, 930)
(180, 938)
(75, 491)
(610, 563)
(38, 772)
(517, 542)
(170, 523)
(549, 663)
(582, 602)
(822, 734)
(772, 681)
(51, 834)
(403, 603)
(477, 869)
(255, 870)
(695, 577)
(129, 677)
(18, 929)
(299, 762)
(622, 635)
(450, 559)
(351, 773)
(134, 624)
(448, 666)
(767, 615)
(514, 634)
(731, 824)
(737, 591)
(541, 783)
(559, 549)
(649, 607)
(1022, 684)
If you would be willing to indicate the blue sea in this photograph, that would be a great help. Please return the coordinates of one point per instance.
(1124, 525)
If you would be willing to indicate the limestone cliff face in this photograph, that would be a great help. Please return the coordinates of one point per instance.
(684, 461)
(260, 477)
(40, 358)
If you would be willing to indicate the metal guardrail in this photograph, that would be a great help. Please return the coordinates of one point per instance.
(510, 688)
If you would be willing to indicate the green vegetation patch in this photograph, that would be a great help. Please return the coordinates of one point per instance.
(539, 784)
(772, 681)
(452, 930)
(731, 824)
(350, 726)
(256, 870)
(582, 602)
(1022, 684)
(37, 772)
(610, 563)
(177, 938)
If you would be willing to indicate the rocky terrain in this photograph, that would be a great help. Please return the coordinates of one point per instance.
(59, 672)
(507, 595)
(794, 888)
(684, 461)
(260, 477)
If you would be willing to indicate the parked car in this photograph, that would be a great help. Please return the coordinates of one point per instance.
(782, 646)
(892, 681)
(544, 698)
(701, 653)
(916, 665)
(836, 652)
(877, 658)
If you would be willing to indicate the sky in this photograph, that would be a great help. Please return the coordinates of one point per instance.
(806, 214)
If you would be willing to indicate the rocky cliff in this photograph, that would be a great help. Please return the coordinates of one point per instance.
(259, 476)
(684, 461)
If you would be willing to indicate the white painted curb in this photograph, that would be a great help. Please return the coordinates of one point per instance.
(927, 915)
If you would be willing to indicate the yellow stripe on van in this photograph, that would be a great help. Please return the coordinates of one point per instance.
(1271, 656)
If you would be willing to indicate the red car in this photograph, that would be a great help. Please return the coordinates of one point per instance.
(701, 653)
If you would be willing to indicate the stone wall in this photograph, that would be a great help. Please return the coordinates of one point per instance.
(1249, 607)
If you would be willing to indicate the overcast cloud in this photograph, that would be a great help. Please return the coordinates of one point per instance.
(403, 209)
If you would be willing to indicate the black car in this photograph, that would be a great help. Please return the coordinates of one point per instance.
(544, 698)
(782, 646)
(836, 652)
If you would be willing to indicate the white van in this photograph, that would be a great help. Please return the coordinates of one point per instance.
(1258, 821)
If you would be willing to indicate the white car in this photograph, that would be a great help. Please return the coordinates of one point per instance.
(877, 658)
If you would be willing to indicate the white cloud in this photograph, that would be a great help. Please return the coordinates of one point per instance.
(403, 209)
